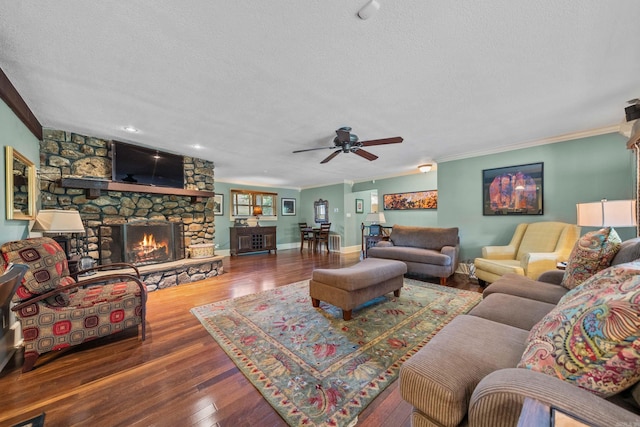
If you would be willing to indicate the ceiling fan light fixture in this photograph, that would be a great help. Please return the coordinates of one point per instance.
(425, 167)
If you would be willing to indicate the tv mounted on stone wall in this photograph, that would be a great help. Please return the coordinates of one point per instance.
(134, 164)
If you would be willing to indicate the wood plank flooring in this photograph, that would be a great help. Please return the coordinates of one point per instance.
(179, 376)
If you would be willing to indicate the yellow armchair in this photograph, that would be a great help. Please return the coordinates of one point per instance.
(534, 249)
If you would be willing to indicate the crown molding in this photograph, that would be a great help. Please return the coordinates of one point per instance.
(551, 140)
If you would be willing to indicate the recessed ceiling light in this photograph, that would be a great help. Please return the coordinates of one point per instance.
(197, 146)
(130, 129)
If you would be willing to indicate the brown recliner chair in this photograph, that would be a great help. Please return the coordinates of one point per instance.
(57, 311)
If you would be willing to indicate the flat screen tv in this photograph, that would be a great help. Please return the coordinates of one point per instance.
(140, 165)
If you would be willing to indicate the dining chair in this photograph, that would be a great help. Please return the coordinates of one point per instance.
(322, 236)
(306, 235)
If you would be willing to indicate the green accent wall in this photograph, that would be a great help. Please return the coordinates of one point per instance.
(287, 231)
(14, 133)
(581, 170)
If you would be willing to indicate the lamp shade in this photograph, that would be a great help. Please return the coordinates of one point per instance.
(257, 210)
(58, 221)
(375, 218)
(607, 213)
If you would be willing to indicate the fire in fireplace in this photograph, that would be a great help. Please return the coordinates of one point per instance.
(142, 242)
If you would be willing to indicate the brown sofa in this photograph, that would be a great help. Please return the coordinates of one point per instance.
(426, 251)
(467, 375)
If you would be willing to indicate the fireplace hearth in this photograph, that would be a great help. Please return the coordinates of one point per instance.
(142, 242)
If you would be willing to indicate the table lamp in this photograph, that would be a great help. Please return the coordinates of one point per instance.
(58, 221)
(607, 213)
(375, 219)
(257, 211)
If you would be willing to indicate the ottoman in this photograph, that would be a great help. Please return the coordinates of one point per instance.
(349, 287)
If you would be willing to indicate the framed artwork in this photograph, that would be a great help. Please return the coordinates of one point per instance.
(288, 207)
(513, 190)
(359, 206)
(414, 200)
(218, 204)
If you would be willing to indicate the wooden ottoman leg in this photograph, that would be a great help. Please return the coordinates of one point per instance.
(396, 293)
(315, 302)
(346, 314)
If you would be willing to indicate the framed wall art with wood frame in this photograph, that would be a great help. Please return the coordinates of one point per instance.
(513, 190)
(288, 207)
(413, 200)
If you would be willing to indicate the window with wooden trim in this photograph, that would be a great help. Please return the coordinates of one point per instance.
(243, 202)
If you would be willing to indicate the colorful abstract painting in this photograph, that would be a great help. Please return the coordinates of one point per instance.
(414, 200)
(514, 190)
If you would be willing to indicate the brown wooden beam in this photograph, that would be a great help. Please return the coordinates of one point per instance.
(10, 95)
(95, 185)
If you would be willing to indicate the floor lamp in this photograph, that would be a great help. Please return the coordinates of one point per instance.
(59, 222)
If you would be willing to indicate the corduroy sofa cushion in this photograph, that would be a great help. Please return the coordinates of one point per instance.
(439, 379)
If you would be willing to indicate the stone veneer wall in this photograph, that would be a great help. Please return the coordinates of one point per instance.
(66, 154)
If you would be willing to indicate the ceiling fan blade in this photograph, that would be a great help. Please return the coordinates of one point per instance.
(312, 149)
(382, 141)
(367, 155)
(331, 156)
(343, 135)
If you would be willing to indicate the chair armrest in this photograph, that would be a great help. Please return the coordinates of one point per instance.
(498, 399)
(553, 277)
(536, 263)
(112, 266)
(102, 279)
(499, 252)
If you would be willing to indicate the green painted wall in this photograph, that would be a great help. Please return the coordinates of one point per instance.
(401, 184)
(334, 194)
(14, 133)
(287, 231)
(582, 170)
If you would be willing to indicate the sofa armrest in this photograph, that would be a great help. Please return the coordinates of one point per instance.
(536, 263)
(499, 252)
(553, 277)
(498, 399)
(453, 253)
(384, 244)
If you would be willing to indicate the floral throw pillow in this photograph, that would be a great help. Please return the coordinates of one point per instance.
(591, 253)
(592, 337)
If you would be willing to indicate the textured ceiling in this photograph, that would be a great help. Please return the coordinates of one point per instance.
(251, 81)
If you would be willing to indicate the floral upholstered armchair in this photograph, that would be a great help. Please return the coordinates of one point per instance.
(57, 311)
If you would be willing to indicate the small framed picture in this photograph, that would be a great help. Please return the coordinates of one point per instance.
(218, 204)
(359, 206)
(288, 207)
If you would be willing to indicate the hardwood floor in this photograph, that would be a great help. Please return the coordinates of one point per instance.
(179, 376)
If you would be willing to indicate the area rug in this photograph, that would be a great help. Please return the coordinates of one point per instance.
(316, 369)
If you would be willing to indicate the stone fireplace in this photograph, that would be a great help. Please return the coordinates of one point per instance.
(142, 242)
(75, 173)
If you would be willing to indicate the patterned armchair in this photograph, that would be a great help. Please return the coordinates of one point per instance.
(57, 311)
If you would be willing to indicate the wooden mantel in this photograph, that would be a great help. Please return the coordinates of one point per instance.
(95, 186)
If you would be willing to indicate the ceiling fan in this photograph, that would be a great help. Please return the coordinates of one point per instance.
(348, 142)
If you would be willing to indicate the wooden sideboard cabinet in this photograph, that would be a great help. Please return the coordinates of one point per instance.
(252, 239)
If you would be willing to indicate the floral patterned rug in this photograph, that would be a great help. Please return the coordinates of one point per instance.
(316, 369)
